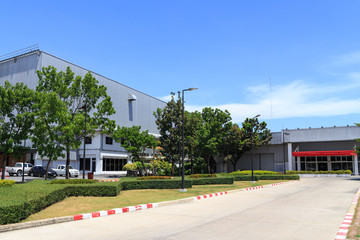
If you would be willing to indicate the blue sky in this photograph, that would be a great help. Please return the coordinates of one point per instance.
(228, 49)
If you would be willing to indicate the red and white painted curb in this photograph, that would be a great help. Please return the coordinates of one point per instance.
(345, 225)
(107, 180)
(344, 228)
(275, 184)
(115, 211)
(254, 188)
(151, 205)
(210, 195)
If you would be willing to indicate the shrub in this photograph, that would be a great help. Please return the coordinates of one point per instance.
(130, 166)
(320, 172)
(256, 172)
(202, 176)
(154, 184)
(7, 183)
(154, 177)
(161, 167)
(73, 181)
(207, 181)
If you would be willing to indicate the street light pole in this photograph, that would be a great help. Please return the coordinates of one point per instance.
(183, 150)
(283, 138)
(84, 108)
(251, 156)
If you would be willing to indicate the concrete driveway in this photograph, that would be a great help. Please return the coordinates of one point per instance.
(310, 209)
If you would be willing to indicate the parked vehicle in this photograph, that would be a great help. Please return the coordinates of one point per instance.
(61, 171)
(18, 168)
(40, 171)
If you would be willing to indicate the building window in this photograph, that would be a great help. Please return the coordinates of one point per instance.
(88, 140)
(87, 164)
(113, 164)
(109, 140)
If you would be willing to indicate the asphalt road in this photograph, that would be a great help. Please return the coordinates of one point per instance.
(310, 209)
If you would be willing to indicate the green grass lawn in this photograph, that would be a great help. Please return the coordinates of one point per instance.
(77, 205)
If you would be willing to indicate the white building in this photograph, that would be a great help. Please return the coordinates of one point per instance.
(319, 149)
(103, 155)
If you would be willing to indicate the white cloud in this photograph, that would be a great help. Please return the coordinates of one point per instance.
(295, 99)
(165, 98)
(345, 59)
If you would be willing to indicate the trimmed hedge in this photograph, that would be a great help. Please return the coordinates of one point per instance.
(33, 201)
(154, 184)
(207, 181)
(244, 178)
(73, 181)
(7, 183)
(320, 172)
(30, 198)
(154, 177)
(93, 190)
(202, 176)
(278, 177)
(256, 172)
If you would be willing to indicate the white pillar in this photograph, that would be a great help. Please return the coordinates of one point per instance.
(356, 165)
(298, 163)
(290, 157)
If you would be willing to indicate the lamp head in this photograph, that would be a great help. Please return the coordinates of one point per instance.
(190, 89)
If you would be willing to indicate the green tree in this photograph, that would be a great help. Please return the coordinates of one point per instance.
(47, 137)
(135, 142)
(214, 126)
(168, 121)
(16, 117)
(191, 131)
(255, 131)
(78, 93)
(234, 145)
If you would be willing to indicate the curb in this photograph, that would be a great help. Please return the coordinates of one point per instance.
(44, 222)
(346, 223)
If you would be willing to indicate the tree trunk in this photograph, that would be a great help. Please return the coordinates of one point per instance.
(208, 164)
(47, 169)
(144, 167)
(68, 163)
(3, 166)
(234, 164)
(192, 165)
(172, 167)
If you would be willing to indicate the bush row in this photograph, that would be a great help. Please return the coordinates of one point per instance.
(265, 177)
(21, 209)
(7, 183)
(154, 184)
(320, 172)
(256, 172)
(202, 176)
(73, 181)
(154, 177)
(279, 177)
(207, 181)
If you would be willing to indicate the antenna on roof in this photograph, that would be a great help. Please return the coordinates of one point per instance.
(20, 52)
(270, 99)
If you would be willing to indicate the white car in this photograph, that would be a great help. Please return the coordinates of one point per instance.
(61, 171)
(18, 168)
